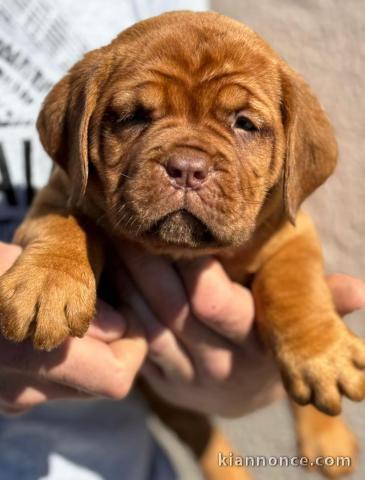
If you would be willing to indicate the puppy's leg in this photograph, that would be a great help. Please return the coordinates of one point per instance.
(198, 433)
(322, 436)
(319, 357)
(50, 291)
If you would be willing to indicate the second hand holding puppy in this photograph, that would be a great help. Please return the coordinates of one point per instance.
(204, 352)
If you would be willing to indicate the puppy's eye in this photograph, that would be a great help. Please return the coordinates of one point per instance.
(138, 116)
(244, 123)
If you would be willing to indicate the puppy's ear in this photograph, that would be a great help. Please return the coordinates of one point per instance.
(63, 122)
(311, 148)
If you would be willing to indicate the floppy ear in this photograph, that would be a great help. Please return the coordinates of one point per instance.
(311, 148)
(63, 122)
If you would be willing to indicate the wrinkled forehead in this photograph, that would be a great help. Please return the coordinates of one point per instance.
(198, 70)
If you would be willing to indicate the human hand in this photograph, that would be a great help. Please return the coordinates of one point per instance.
(102, 364)
(203, 350)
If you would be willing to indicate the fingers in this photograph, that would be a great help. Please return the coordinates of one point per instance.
(20, 393)
(197, 350)
(348, 293)
(130, 353)
(108, 325)
(8, 254)
(101, 364)
(95, 367)
(86, 365)
(161, 288)
(222, 305)
(226, 400)
(156, 378)
(164, 348)
(159, 284)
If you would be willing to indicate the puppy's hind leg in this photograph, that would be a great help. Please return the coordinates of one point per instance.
(321, 436)
(209, 461)
(198, 433)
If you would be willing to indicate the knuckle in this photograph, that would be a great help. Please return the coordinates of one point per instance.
(119, 391)
(10, 405)
(220, 371)
(121, 387)
(18, 400)
(161, 344)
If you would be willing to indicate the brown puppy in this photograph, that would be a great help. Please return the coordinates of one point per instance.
(188, 135)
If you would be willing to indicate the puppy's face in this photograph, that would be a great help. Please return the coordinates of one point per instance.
(186, 131)
(186, 153)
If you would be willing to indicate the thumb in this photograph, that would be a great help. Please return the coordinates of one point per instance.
(108, 324)
(8, 254)
(348, 292)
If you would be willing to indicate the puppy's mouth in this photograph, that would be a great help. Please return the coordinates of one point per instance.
(182, 228)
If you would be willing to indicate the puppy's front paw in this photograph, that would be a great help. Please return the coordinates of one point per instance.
(321, 377)
(46, 304)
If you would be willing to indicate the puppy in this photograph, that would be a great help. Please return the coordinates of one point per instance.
(189, 135)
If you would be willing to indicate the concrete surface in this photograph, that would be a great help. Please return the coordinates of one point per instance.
(325, 41)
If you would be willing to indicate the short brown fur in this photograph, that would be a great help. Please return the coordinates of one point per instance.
(171, 85)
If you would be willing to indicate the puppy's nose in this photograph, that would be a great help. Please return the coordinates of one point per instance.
(187, 172)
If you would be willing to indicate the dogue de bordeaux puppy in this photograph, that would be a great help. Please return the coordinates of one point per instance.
(189, 135)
